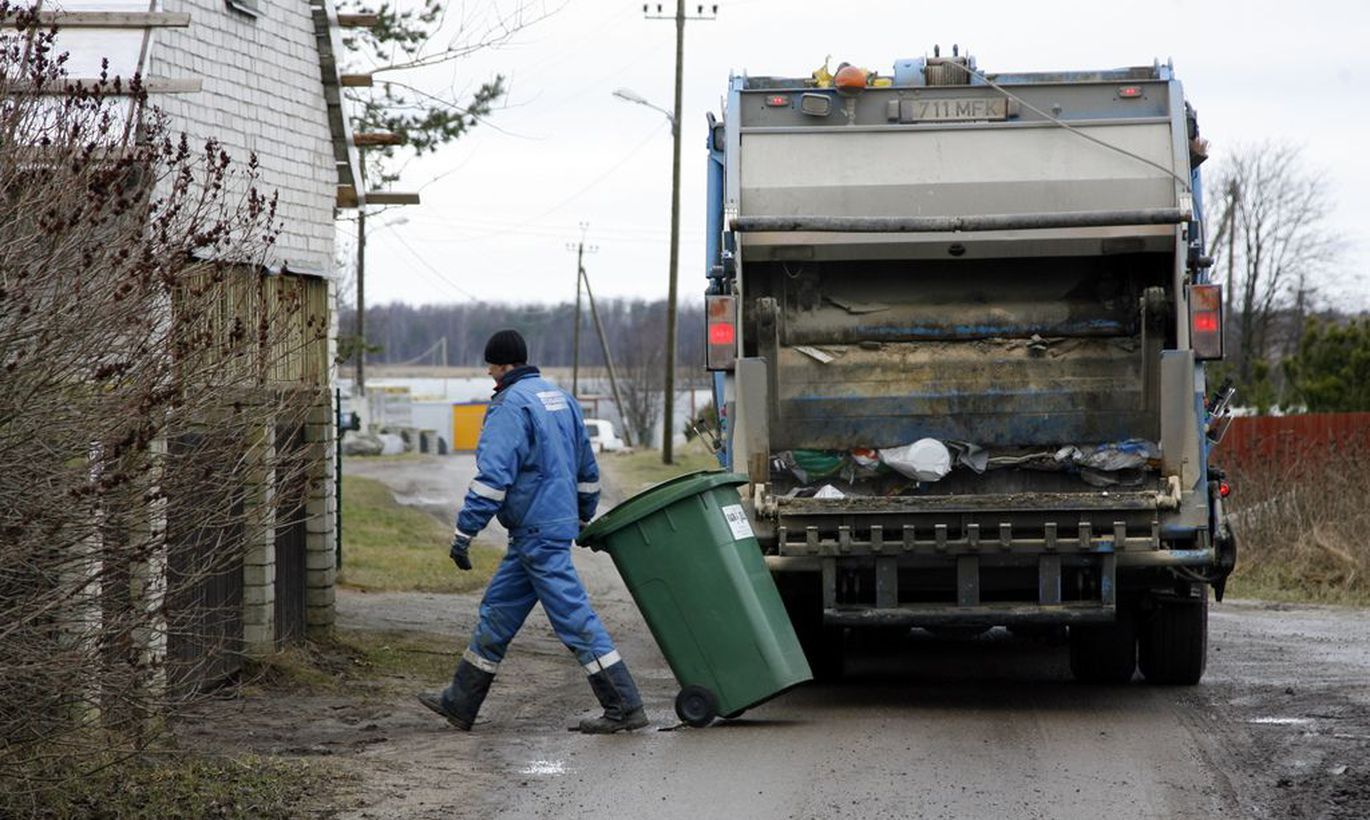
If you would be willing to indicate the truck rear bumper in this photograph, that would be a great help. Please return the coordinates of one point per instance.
(983, 615)
(1046, 588)
(1148, 558)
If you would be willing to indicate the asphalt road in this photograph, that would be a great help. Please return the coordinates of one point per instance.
(990, 727)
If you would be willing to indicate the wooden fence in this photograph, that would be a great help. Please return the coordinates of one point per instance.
(1283, 442)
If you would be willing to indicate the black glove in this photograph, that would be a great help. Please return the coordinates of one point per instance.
(461, 544)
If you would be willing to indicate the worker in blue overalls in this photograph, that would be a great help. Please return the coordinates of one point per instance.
(536, 471)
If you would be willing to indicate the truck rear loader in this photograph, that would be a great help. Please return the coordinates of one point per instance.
(957, 327)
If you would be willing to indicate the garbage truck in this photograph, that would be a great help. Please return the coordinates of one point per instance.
(957, 325)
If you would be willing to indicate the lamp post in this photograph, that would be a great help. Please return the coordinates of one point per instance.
(628, 95)
(679, 17)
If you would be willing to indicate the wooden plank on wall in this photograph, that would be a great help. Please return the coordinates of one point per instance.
(152, 85)
(377, 138)
(358, 20)
(108, 19)
(391, 198)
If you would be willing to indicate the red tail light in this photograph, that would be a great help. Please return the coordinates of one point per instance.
(1206, 321)
(1224, 489)
(721, 333)
(721, 315)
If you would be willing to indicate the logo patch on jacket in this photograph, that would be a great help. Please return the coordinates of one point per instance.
(553, 400)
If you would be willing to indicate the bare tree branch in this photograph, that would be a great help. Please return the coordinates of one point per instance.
(1274, 238)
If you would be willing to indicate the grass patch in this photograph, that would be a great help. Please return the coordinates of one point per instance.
(1285, 585)
(388, 547)
(636, 471)
(177, 785)
(402, 654)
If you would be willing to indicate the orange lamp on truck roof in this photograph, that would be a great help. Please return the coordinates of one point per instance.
(849, 79)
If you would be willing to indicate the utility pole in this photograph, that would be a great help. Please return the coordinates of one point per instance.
(444, 367)
(580, 248)
(608, 358)
(668, 411)
(361, 301)
(377, 198)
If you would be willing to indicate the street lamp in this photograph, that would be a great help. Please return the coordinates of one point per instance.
(628, 95)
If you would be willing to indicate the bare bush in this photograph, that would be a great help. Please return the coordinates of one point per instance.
(642, 375)
(146, 367)
(1301, 524)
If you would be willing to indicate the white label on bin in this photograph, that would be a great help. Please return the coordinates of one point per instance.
(737, 522)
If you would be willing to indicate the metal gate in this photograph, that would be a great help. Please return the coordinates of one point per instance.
(204, 600)
(292, 483)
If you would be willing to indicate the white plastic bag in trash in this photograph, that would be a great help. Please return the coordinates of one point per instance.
(829, 491)
(927, 459)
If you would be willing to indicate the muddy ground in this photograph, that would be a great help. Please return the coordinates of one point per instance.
(1280, 726)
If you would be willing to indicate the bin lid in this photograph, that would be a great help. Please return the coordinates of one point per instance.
(655, 498)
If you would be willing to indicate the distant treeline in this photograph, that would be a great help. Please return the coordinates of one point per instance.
(636, 330)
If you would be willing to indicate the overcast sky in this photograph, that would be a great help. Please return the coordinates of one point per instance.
(501, 204)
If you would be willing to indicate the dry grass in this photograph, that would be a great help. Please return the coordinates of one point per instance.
(1302, 530)
(177, 784)
(640, 469)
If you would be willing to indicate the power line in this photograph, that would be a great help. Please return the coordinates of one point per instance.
(435, 271)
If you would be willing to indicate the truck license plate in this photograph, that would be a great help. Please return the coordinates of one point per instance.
(951, 109)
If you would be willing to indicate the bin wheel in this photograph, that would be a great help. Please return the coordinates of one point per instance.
(696, 706)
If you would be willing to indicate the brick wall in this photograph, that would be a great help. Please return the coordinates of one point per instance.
(262, 92)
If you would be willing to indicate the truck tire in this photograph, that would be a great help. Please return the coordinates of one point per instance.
(1173, 644)
(1105, 653)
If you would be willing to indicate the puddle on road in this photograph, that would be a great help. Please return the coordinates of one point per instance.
(1281, 721)
(420, 500)
(551, 767)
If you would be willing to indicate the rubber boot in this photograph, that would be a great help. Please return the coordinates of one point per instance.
(460, 702)
(622, 704)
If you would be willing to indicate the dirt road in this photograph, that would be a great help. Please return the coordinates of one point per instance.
(991, 727)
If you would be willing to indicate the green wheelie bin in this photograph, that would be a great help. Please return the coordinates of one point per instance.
(687, 552)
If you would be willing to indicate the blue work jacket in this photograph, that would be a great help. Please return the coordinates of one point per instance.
(535, 468)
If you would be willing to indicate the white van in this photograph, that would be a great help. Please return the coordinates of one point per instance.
(603, 438)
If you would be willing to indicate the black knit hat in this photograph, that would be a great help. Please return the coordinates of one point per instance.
(506, 347)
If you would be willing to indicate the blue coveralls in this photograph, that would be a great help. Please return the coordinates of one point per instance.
(535, 471)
